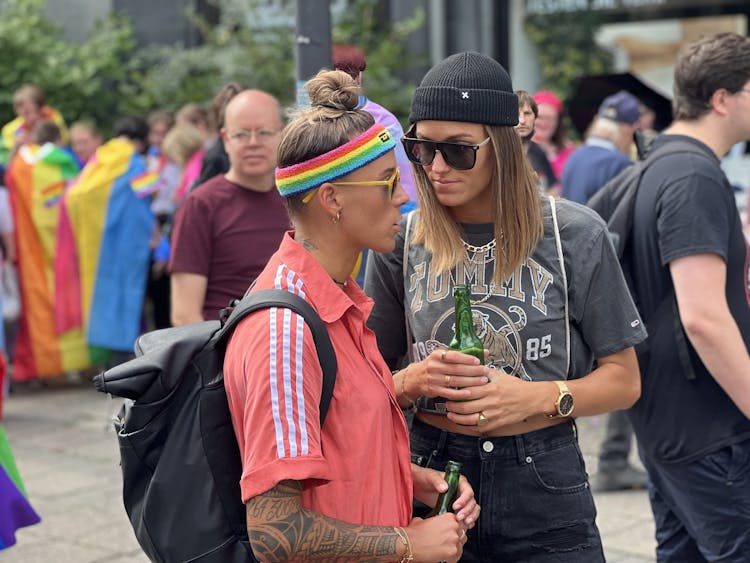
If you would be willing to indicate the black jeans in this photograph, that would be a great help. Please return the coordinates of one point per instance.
(533, 489)
(702, 508)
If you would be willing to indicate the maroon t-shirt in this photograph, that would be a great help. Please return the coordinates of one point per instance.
(226, 233)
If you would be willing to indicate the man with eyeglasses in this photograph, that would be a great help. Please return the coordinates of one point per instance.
(227, 228)
(688, 250)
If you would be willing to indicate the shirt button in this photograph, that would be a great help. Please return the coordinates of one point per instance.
(488, 446)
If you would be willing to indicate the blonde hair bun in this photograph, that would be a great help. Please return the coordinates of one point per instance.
(334, 90)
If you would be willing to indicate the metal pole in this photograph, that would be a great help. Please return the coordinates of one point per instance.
(438, 37)
(313, 42)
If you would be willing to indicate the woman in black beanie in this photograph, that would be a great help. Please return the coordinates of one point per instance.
(548, 300)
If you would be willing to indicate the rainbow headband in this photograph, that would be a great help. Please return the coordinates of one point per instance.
(334, 164)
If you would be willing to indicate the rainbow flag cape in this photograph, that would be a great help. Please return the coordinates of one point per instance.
(103, 249)
(12, 128)
(36, 175)
(15, 510)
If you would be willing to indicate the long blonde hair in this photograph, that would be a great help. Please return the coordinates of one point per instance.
(517, 214)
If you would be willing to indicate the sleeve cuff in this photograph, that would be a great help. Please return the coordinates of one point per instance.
(264, 478)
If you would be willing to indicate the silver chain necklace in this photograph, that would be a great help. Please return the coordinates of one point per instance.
(485, 248)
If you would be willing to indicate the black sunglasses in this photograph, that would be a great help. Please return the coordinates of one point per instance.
(461, 156)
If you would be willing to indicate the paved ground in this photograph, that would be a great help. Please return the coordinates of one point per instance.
(67, 454)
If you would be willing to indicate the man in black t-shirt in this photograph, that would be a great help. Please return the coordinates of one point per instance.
(691, 263)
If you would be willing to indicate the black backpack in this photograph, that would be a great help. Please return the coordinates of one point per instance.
(180, 460)
(615, 201)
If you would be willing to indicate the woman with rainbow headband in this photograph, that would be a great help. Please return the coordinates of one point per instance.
(342, 491)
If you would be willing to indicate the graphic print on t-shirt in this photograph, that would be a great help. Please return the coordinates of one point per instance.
(520, 323)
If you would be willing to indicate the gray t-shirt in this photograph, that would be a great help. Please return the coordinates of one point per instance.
(522, 323)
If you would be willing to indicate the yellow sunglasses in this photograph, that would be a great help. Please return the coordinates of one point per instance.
(390, 183)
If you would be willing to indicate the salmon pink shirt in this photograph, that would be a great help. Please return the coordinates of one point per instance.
(357, 468)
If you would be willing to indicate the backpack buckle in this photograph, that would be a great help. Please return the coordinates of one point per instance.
(226, 311)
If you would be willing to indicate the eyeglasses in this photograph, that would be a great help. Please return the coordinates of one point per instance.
(263, 135)
(390, 183)
(460, 156)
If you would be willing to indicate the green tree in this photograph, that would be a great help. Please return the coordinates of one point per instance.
(364, 24)
(108, 76)
(234, 49)
(566, 48)
(87, 80)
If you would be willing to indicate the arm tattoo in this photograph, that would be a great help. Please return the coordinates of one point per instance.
(309, 245)
(280, 529)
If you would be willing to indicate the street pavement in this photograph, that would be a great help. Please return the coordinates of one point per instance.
(66, 450)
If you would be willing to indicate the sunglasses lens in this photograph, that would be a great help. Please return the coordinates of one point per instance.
(456, 156)
(419, 152)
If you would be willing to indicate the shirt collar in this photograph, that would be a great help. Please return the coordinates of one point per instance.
(329, 299)
(599, 142)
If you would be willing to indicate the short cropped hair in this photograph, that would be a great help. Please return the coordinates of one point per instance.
(716, 61)
(29, 92)
(348, 58)
(47, 132)
(133, 127)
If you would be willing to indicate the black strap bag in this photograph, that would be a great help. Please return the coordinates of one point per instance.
(180, 461)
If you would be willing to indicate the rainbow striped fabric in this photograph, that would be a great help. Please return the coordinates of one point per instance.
(11, 129)
(147, 183)
(103, 249)
(36, 179)
(15, 510)
(360, 151)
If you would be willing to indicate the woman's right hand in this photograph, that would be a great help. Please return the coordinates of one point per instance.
(440, 538)
(446, 373)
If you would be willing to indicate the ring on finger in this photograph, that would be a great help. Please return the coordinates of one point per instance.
(447, 380)
(482, 420)
(442, 355)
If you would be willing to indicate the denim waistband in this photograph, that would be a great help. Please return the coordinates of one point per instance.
(512, 447)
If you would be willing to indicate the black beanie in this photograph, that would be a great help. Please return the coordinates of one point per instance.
(466, 87)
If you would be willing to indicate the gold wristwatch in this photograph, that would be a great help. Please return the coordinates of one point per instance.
(564, 404)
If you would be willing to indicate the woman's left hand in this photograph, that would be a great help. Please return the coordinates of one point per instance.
(505, 400)
(429, 483)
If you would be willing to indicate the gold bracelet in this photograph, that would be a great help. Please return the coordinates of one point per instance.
(403, 388)
(401, 533)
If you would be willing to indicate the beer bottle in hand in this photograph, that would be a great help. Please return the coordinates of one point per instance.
(465, 339)
(445, 500)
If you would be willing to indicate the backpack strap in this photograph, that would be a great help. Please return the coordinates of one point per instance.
(405, 264)
(267, 298)
(561, 258)
(673, 147)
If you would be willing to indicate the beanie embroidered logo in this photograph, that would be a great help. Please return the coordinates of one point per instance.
(465, 95)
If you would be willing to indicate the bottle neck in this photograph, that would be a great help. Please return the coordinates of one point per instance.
(463, 320)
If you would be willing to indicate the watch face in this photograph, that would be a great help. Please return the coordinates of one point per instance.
(565, 407)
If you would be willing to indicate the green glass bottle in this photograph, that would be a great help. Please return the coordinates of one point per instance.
(445, 500)
(464, 338)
